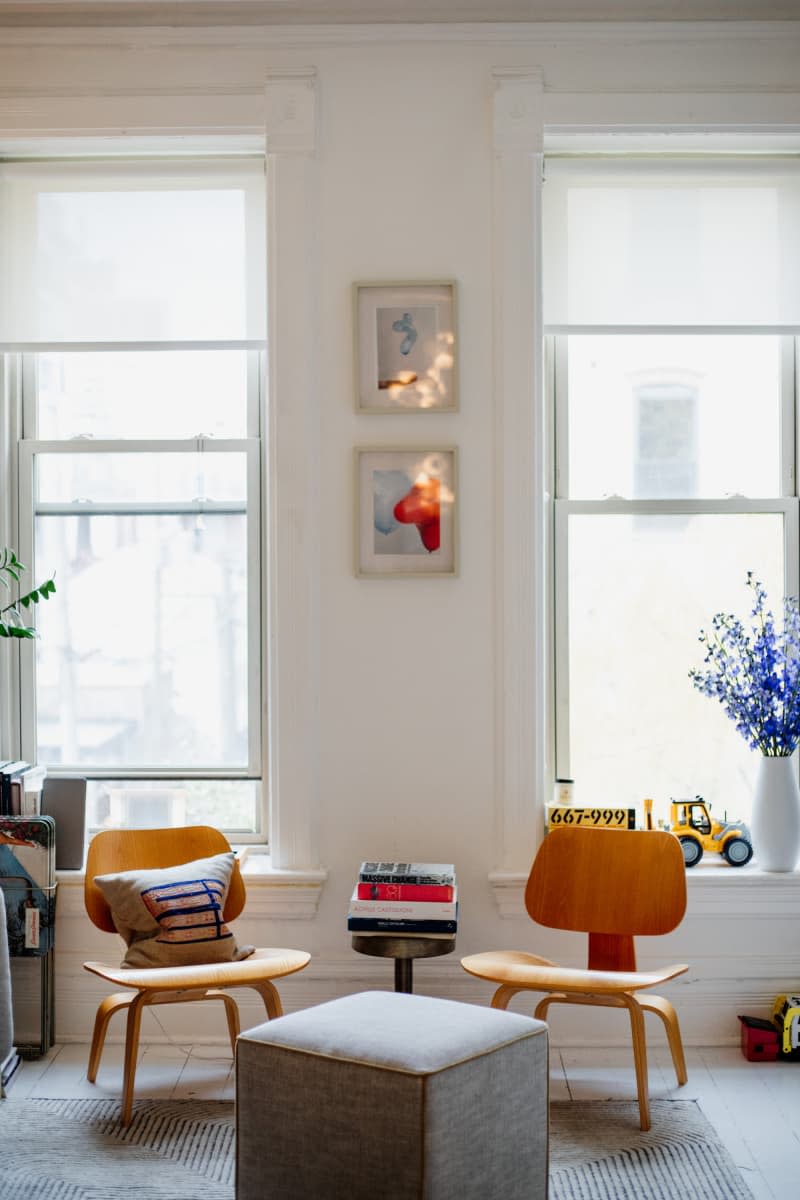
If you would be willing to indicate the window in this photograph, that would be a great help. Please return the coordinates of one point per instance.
(670, 312)
(133, 321)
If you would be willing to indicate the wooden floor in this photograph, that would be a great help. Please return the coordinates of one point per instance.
(755, 1107)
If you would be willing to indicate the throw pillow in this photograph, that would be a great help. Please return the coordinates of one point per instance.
(172, 916)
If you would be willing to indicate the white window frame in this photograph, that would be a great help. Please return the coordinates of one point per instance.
(786, 504)
(283, 121)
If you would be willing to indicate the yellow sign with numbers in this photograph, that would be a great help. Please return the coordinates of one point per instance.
(608, 818)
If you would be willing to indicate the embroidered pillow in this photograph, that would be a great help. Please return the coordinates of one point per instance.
(172, 917)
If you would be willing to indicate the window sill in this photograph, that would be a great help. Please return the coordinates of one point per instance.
(714, 889)
(271, 893)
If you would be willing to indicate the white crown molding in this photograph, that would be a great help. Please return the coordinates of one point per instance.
(497, 33)
(227, 12)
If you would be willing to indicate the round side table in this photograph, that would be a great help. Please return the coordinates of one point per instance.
(403, 948)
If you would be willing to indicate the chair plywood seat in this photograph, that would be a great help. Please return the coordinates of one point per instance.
(612, 885)
(262, 964)
(514, 966)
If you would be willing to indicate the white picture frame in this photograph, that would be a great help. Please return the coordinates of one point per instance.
(405, 347)
(406, 511)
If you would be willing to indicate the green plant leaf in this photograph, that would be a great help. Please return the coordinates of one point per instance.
(10, 571)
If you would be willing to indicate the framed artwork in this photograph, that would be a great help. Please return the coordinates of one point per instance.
(405, 347)
(406, 511)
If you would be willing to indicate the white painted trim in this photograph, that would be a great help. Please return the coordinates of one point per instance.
(271, 895)
(158, 116)
(292, 526)
(518, 97)
(286, 118)
(714, 890)
(290, 114)
(718, 985)
(670, 112)
(246, 35)
(519, 467)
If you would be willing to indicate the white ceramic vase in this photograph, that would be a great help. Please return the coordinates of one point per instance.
(775, 823)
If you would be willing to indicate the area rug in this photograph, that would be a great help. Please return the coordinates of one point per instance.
(598, 1152)
(184, 1150)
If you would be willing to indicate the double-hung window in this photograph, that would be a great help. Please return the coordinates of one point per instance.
(672, 300)
(132, 321)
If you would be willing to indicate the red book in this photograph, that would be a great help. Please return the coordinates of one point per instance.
(405, 891)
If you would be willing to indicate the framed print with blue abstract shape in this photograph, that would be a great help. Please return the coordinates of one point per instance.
(405, 347)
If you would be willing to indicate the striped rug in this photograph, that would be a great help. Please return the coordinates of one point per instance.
(598, 1152)
(184, 1150)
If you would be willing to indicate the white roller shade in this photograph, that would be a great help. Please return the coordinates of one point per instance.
(132, 251)
(663, 243)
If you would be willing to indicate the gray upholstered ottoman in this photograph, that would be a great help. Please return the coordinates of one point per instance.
(392, 1095)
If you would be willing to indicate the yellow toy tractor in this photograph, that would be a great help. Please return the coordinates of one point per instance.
(697, 831)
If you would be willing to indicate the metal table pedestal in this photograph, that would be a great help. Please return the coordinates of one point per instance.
(403, 948)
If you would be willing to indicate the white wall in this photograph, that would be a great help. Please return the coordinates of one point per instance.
(409, 715)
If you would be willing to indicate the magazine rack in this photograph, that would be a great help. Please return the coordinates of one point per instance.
(28, 887)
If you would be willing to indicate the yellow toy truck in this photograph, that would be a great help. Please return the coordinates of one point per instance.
(786, 1019)
(697, 831)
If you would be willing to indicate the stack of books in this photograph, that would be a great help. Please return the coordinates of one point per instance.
(20, 789)
(404, 900)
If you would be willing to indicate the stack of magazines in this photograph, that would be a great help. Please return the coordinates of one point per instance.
(404, 899)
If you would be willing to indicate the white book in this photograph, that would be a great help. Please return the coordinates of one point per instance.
(405, 910)
(385, 933)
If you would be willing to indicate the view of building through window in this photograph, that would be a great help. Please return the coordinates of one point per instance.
(670, 493)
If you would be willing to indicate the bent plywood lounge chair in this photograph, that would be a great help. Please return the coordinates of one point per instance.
(122, 850)
(611, 884)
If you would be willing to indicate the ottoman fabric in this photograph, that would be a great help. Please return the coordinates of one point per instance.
(393, 1096)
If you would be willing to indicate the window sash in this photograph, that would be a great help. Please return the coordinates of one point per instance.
(30, 448)
(788, 508)
(787, 505)
(557, 384)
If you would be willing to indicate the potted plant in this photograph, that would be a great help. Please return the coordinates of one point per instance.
(12, 621)
(754, 671)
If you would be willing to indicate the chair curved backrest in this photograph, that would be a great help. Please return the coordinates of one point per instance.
(611, 884)
(114, 850)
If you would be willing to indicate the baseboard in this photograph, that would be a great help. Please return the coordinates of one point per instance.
(8, 1069)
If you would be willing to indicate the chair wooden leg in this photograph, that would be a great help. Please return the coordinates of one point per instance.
(272, 1001)
(131, 1052)
(503, 994)
(639, 1058)
(664, 1009)
(540, 1012)
(105, 1012)
(232, 1015)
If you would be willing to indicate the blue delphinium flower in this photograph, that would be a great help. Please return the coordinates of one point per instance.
(755, 673)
